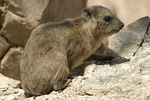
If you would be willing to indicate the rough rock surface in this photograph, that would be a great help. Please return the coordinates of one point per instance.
(16, 29)
(10, 64)
(135, 36)
(72, 9)
(45, 10)
(116, 80)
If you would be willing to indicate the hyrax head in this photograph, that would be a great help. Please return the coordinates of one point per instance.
(106, 21)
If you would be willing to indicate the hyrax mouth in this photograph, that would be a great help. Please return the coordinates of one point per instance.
(116, 30)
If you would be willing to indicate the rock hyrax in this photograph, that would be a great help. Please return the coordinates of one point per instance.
(53, 49)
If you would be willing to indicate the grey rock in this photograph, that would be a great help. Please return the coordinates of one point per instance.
(129, 80)
(127, 42)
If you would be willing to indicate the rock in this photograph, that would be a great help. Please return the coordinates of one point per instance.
(4, 46)
(129, 80)
(23, 8)
(8, 87)
(142, 56)
(13, 6)
(127, 42)
(45, 10)
(22, 16)
(16, 29)
(70, 10)
(6, 83)
(10, 64)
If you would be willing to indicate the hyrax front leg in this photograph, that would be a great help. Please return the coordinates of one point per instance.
(95, 57)
(99, 54)
(102, 49)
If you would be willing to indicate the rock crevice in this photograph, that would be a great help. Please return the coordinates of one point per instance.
(145, 36)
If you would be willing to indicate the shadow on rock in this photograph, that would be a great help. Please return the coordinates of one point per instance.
(79, 71)
(117, 59)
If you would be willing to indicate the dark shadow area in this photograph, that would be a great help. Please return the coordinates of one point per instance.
(117, 59)
(1, 18)
(79, 71)
(0, 27)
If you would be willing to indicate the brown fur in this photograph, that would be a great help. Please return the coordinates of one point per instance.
(53, 49)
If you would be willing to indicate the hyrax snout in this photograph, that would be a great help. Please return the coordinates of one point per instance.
(53, 49)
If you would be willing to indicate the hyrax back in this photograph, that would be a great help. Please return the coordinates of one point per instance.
(53, 49)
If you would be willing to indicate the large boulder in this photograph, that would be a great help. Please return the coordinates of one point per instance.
(16, 29)
(45, 10)
(10, 64)
(130, 39)
(71, 9)
(25, 9)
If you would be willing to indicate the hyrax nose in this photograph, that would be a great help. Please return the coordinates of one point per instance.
(121, 26)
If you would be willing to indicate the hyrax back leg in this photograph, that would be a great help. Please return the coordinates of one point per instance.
(95, 57)
(61, 80)
(40, 78)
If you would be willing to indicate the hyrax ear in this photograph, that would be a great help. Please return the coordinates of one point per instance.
(87, 13)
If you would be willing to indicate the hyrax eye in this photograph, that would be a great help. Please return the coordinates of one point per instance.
(107, 18)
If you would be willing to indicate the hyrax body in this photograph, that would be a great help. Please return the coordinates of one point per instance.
(53, 49)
